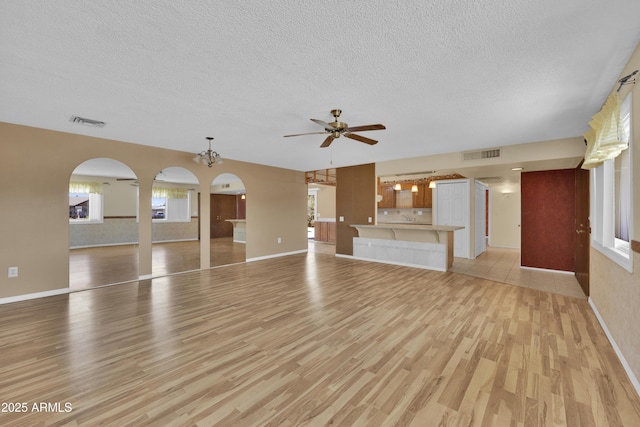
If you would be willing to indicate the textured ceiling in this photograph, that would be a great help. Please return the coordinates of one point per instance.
(443, 76)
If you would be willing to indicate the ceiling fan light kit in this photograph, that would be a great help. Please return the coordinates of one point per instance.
(208, 157)
(335, 129)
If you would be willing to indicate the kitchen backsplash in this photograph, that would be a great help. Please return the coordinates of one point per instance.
(408, 215)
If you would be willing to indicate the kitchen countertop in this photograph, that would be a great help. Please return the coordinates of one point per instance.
(404, 222)
(410, 226)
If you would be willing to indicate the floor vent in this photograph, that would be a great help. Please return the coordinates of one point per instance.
(478, 155)
(87, 122)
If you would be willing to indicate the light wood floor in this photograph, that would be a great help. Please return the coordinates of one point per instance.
(312, 340)
(100, 266)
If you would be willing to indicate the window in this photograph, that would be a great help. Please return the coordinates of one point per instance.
(170, 205)
(611, 209)
(85, 202)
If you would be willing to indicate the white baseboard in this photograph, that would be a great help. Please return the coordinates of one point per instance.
(625, 365)
(35, 295)
(260, 258)
(548, 270)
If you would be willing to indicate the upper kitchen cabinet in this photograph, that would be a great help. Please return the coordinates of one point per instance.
(388, 196)
(423, 198)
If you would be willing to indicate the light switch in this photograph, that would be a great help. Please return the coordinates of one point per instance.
(341, 219)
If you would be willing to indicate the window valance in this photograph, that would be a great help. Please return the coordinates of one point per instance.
(85, 187)
(607, 137)
(170, 193)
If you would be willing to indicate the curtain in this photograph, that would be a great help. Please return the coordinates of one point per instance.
(85, 187)
(170, 193)
(607, 137)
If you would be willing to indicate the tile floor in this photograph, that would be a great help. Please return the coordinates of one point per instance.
(501, 265)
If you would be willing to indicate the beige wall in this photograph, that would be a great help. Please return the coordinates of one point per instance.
(326, 201)
(615, 292)
(35, 168)
(504, 217)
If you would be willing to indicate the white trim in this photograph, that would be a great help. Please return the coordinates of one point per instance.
(623, 361)
(35, 295)
(104, 244)
(132, 243)
(192, 239)
(548, 270)
(145, 277)
(281, 254)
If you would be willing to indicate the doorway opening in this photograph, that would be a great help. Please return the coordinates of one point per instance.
(227, 219)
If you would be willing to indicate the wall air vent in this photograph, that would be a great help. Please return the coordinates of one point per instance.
(87, 122)
(225, 186)
(491, 179)
(479, 155)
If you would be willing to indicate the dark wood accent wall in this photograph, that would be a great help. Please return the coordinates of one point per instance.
(355, 201)
(548, 219)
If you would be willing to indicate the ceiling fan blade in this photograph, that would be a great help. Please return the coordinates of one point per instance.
(327, 142)
(361, 138)
(325, 125)
(310, 133)
(366, 127)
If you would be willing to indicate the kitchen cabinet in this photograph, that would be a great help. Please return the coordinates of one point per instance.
(423, 198)
(325, 231)
(388, 196)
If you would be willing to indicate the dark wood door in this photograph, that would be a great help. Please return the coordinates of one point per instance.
(223, 207)
(583, 229)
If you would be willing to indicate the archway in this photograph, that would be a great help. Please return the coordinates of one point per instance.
(103, 227)
(228, 220)
(176, 246)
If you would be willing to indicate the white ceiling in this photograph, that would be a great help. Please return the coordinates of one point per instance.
(443, 76)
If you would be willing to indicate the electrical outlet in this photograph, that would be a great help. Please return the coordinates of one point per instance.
(279, 239)
(12, 272)
(370, 219)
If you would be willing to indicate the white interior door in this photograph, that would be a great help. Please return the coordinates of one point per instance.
(453, 209)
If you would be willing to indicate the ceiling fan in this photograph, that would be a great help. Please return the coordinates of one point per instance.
(336, 128)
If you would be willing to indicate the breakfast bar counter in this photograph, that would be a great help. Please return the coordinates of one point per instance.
(423, 246)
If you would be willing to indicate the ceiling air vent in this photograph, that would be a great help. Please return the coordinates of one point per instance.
(479, 155)
(87, 122)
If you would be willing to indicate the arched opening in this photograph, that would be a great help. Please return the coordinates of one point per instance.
(176, 246)
(103, 226)
(228, 220)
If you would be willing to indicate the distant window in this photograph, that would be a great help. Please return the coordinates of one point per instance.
(85, 202)
(170, 205)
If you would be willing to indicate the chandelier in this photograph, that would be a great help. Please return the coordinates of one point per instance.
(208, 157)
